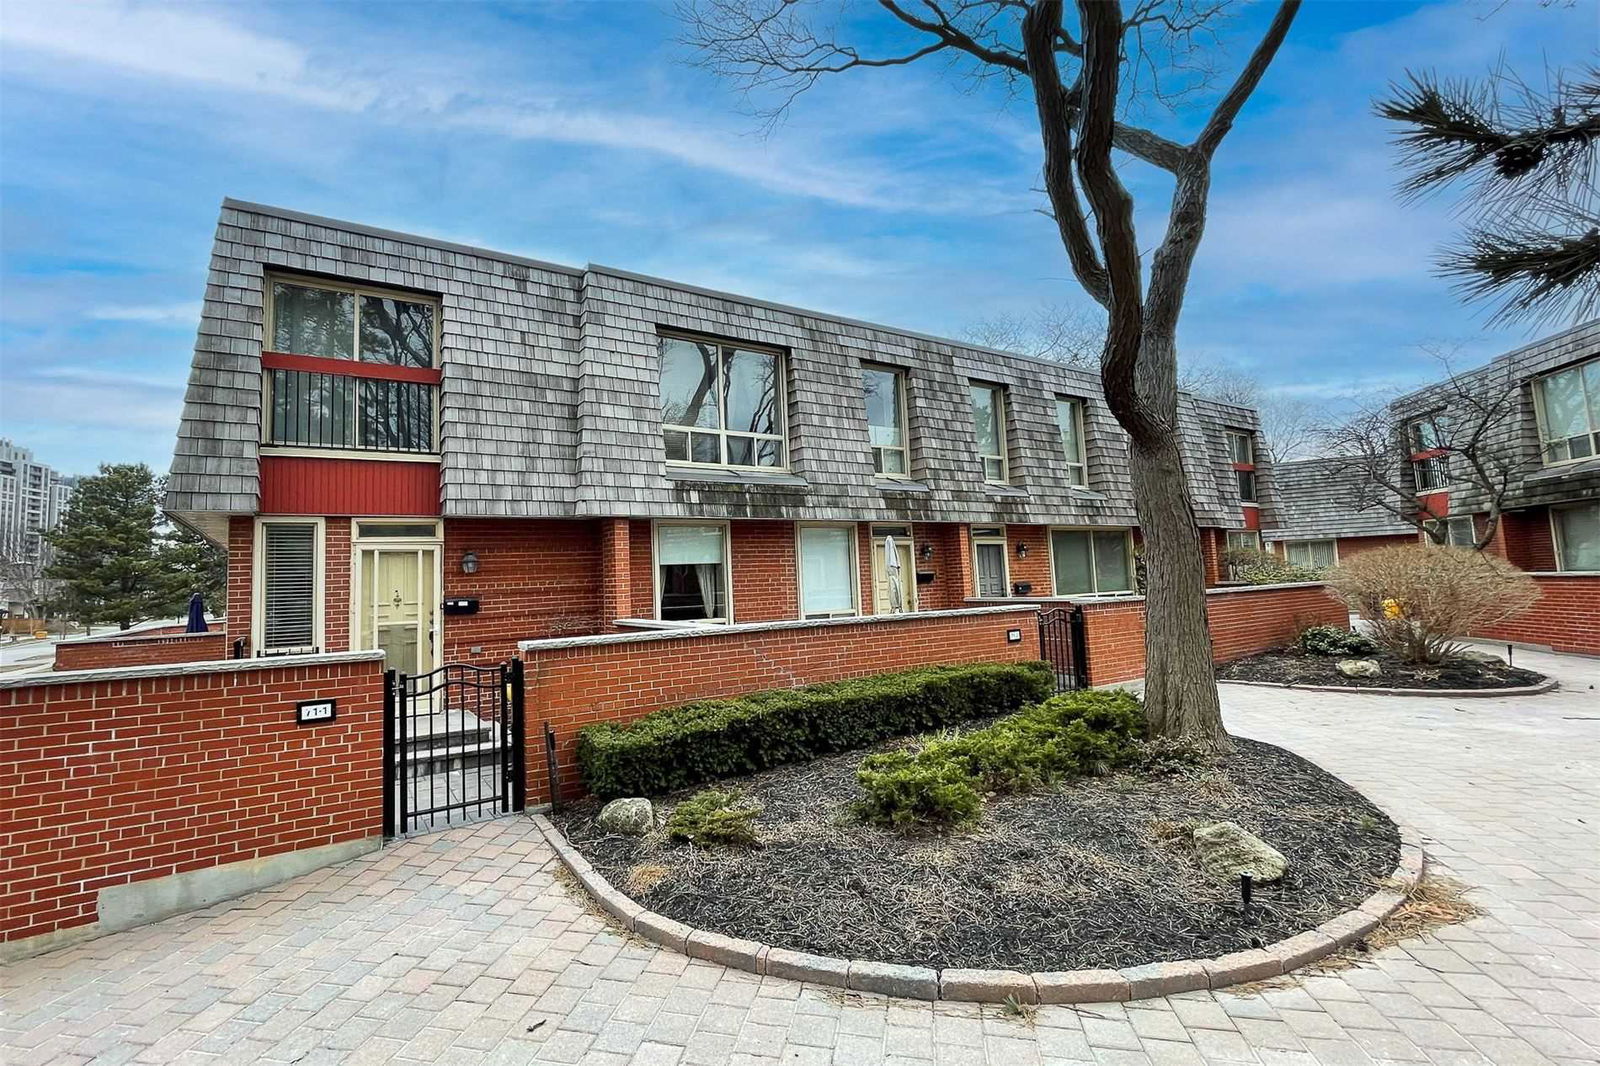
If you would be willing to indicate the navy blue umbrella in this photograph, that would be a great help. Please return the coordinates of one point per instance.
(197, 615)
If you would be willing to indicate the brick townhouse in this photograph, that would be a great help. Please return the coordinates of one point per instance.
(440, 450)
(1319, 527)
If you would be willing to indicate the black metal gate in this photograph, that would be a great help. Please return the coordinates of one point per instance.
(452, 746)
(1063, 646)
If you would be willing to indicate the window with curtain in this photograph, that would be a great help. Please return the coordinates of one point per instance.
(1316, 554)
(1069, 420)
(288, 587)
(721, 405)
(1089, 562)
(884, 391)
(1569, 412)
(989, 561)
(692, 573)
(1578, 537)
(827, 572)
(989, 422)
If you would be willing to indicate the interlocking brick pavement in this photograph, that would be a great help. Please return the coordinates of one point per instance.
(462, 947)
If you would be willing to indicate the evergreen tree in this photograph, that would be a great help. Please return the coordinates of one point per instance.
(191, 564)
(107, 551)
(1526, 159)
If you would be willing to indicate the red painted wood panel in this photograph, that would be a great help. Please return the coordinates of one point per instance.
(350, 368)
(292, 484)
(1251, 516)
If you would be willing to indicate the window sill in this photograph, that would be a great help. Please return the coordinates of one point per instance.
(884, 484)
(994, 488)
(349, 453)
(742, 478)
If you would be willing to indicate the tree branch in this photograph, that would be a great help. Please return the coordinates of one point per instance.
(941, 27)
(1228, 108)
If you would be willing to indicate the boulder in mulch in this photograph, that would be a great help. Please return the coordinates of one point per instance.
(1359, 667)
(1472, 655)
(630, 817)
(1226, 851)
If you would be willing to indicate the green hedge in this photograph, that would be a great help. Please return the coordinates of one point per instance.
(682, 746)
(941, 781)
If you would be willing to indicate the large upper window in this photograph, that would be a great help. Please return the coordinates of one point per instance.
(1069, 420)
(1577, 536)
(828, 571)
(349, 323)
(692, 572)
(721, 405)
(1426, 434)
(989, 421)
(1569, 412)
(383, 400)
(1087, 562)
(885, 393)
(1242, 453)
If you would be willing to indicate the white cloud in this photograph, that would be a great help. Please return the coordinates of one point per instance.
(192, 45)
(157, 313)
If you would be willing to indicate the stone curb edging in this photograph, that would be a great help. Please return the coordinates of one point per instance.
(1549, 684)
(996, 986)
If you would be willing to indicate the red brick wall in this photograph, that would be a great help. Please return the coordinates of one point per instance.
(951, 566)
(142, 649)
(112, 782)
(1349, 546)
(642, 561)
(1566, 617)
(241, 586)
(765, 581)
(1213, 543)
(620, 681)
(1526, 540)
(1243, 621)
(536, 578)
(336, 585)
(1035, 569)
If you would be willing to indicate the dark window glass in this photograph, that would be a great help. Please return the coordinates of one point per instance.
(308, 321)
(398, 332)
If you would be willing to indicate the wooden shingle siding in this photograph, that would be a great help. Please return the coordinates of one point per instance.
(549, 404)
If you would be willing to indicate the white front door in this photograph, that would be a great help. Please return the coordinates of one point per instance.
(396, 606)
(894, 591)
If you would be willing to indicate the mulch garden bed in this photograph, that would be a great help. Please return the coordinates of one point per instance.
(1098, 872)
(1295, 666)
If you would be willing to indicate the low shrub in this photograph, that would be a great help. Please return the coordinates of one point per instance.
(712, 817)
(1335, 640)
(682, 746)
(1419, 601)
(940, 781)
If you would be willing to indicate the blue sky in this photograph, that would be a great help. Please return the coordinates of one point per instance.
(576, 132)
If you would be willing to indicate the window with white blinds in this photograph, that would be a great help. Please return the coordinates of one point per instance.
(288, 586)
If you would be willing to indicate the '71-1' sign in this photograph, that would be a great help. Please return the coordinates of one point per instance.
(315, 712)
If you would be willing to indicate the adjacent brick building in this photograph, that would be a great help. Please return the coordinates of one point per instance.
(441, 451)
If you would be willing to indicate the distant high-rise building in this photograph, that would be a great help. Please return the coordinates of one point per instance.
(33, 497)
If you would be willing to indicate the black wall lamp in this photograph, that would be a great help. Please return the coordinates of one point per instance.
(925, 552)
(1022, 550)
(469, 563)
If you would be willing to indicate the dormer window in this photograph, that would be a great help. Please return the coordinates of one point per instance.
(1568, 405)
(1242, 452)
(989, 422)
(349, 368)
(721, 404)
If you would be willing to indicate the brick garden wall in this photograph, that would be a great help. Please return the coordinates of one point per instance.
(114, 777)
(142, 649)
(575, 683)
(1566, 617)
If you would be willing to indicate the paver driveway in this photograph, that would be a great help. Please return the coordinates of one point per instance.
(461, 947)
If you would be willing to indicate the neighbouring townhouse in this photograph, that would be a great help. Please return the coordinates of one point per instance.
(1319, 527)
(438, 451)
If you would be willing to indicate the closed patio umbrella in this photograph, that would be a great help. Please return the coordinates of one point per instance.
(197, 615)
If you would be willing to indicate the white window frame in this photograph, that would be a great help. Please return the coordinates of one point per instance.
(855, 569)
(780, 378)
(727, 564)
(1556, 539)
(1001, 413)
(258, 584)
(903, 398)
(991, 540)
(1289, 545)
(270, 325)
(1077, 466)
(1451, 523)
(1094, 572)
(1249, 446)
(1545, 442)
